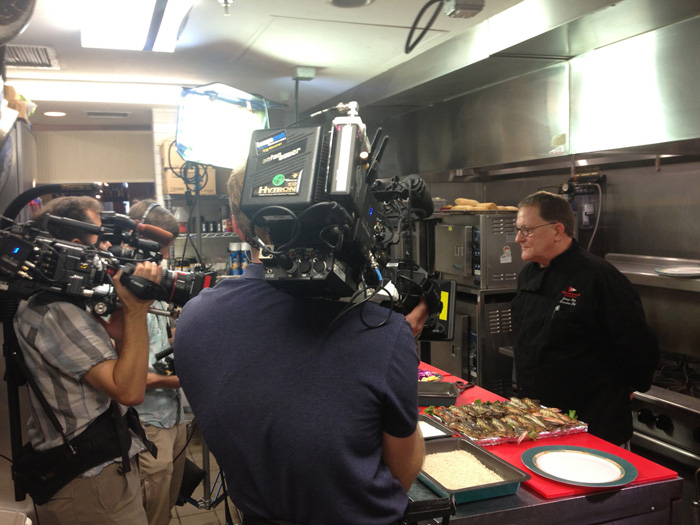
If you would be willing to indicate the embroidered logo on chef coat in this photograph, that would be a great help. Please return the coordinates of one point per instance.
(569, 297)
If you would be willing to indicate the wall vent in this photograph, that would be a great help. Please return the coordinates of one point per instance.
(107, 114)
(33, 57)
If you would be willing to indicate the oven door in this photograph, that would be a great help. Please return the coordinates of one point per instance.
(667, 432)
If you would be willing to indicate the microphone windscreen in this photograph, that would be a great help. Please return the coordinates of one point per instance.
(154, 233)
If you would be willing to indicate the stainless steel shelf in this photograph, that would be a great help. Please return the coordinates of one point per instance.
(641, 269)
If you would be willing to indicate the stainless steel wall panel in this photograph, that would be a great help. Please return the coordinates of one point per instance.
(522, 119)
(639, 91)
(573, 34)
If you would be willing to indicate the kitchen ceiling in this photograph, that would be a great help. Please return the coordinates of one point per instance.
(256, 49)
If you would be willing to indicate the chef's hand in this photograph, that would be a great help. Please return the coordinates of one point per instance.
(418, 316)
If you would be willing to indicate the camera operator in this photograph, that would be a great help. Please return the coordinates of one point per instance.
(82, 375)
(161, 412)
(329, 434)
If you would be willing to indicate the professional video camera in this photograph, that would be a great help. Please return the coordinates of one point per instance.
(331, 222)
(32, 260)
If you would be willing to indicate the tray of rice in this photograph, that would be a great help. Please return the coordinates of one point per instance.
(457, 467)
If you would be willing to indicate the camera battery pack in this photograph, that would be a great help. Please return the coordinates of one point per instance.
(287, 168)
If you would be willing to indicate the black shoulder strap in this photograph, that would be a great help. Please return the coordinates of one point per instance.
(18, 359)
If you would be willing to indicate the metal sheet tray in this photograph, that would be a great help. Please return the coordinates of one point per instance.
(444, 432)
(512, 477)
(441, 393)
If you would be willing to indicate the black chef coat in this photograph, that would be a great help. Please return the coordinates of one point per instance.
(582, 342)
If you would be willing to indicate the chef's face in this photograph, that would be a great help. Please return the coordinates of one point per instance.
(539, 245)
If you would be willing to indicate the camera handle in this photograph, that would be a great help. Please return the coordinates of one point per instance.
(140, 286)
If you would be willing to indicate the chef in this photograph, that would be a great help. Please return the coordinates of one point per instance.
(582, 342)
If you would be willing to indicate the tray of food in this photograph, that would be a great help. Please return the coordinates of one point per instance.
(428, 375)
(495, 422)
(457, 467)
(437, 394)
(473, 206)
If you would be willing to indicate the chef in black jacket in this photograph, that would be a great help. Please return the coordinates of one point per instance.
(581, 338)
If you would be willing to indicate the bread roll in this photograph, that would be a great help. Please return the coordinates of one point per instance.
(466, 202)
(508, 208)
(489, 205)
(462, 207)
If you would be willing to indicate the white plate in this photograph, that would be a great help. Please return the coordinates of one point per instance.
(579, 466)
(679, 271)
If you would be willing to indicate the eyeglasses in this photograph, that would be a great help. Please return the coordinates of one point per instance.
(526, 232)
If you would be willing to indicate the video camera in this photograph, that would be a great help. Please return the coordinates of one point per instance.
(32, 261)
(331, 222)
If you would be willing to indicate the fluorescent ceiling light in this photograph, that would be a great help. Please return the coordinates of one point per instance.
(54, 114)
(172, 24)
(135, 25)
(116, 25)
(77, 91)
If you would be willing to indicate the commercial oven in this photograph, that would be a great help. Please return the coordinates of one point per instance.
(483, 326)
(479, 252)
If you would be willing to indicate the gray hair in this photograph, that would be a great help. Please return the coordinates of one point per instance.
(552, 208)
(235, 190)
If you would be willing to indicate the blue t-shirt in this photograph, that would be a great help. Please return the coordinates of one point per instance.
(295, 413)
(161, 407)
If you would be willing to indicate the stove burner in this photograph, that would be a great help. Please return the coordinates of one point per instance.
(678, 373)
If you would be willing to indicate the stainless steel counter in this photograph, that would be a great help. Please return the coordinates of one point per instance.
(651, 503)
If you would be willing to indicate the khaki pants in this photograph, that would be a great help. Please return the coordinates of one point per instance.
(161, 477)
(109, 498)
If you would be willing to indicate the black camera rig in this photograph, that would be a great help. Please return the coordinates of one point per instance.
(332, 223)
(32, 261)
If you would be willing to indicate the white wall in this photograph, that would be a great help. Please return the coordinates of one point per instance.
(164, 128)
(95, 156)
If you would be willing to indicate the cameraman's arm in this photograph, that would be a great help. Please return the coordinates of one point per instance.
(124, 379)
(161, 381)
(418, 316)
(404, 456)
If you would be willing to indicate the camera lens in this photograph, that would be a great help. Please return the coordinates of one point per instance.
(180, 287)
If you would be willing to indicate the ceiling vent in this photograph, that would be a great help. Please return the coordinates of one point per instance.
(34, 57)
(107, 114)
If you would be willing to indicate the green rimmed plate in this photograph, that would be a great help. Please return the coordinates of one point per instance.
(580, 466)
(678, 271)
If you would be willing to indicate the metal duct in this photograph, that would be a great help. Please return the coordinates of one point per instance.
(545, 79)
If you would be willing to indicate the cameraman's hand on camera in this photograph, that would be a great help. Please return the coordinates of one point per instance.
(148, 270)
(418, 316)
(115, 324)
(124, 379)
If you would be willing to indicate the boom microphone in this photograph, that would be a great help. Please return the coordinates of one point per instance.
(154, 233)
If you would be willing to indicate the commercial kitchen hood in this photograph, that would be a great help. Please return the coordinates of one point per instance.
(541, 70)
(524, 38)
